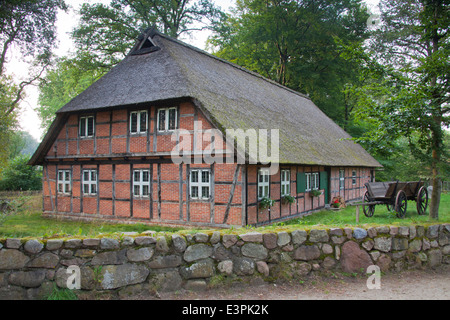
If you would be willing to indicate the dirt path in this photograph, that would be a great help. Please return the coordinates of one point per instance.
(417, 285)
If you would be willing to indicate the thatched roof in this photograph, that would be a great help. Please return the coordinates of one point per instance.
(232, 97)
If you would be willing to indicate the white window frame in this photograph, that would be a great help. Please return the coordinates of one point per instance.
(166, 119)
(263, 183)
(285, 182)
(308, 181)
(138, 120)
(141, 183)
(199, 183)
(315, 182)
(64, 181)
(341, 179)
(89, 182)
(85, 120)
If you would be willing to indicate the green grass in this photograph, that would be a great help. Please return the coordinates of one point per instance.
(347, 217)
(30, 222)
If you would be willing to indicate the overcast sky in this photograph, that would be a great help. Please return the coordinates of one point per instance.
(29, 120)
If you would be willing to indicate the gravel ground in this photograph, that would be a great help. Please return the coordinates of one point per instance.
(407, 285)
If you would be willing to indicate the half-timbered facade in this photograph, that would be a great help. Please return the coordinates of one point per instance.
(108, 154)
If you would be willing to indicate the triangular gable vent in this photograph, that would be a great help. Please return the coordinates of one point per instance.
(145, 43)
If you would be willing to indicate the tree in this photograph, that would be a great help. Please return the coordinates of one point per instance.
(28, 26)
(18, 175)
(297, 43)
(104, 36)
(106, 32)
(411, 100)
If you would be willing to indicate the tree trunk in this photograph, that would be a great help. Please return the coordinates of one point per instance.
(437, 188)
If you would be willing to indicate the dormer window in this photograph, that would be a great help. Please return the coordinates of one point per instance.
(86, 126)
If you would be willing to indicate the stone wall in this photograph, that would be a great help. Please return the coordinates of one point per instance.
(150, 262)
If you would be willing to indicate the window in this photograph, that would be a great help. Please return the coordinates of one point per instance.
(167, 119)
(89, 182)
(200, 184)
(263, 183)
(138, 121)
(64, 181)
(353, 177)
(315, 181)
(308, 181)
(141, 183)
(86, 126)
(285, 182)
(341, 179)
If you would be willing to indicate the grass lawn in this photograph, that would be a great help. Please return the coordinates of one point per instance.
(30, 223)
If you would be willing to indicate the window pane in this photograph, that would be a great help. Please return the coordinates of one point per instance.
(93, 188)
(260, 192)
(60, 175)
(261, 178)
(82, 127)
(145, 190)
(266, 190)
(85, 188)
(90, 126)
(85, 175)
(194, 192)
(133, 120)
(205, 176)
(162, 120)
(136, 190)
(94, 175)
(137, 176)
(194, 176)
(60, 187)
(145, 176)
(266, 176)
(205, 192)
(172, 119)
(67, 175)
(143, 121)
(66, 188)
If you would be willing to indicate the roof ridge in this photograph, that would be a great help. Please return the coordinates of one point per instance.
(255, 74)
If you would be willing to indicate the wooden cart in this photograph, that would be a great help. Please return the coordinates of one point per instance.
(395, 196)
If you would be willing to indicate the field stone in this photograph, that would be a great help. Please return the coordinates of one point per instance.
(144, 240)
(383, 244)
(47, 260)
(197, 252)
(201, 269)
(13, 243)
(318, 236)
(283, 239)
(109, 244)
(262, 268)
(299, 236)
(229, 240)
(225, 267)
(33, 246)
(359, 233)
(179, 243)
(12, 259)
(243, 266)
(54, 244)
(254, 250)
(307, 252)
(116, 276)
(167, 281)
(28, 279)
(138, 255)
(163, 262)
(270, 240)
(252, 237)
(353, 258)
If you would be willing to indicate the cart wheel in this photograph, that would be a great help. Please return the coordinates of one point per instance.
(369, 209)
(390, 207)
(401, 204)
(422, 200)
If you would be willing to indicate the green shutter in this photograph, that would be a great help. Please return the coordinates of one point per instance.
(323, 183)
(301, 182)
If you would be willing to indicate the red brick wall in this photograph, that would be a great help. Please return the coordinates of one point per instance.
(165, 204)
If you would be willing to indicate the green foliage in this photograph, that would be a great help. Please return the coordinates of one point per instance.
(298, 44)
(18, 175)
(61, 294)
(265, 203)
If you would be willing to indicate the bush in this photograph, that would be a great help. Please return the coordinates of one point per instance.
(18, 175)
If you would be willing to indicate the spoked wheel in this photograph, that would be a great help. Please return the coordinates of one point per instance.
(401, 203)
(368, 209)
(422, 200)
(390, 207)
